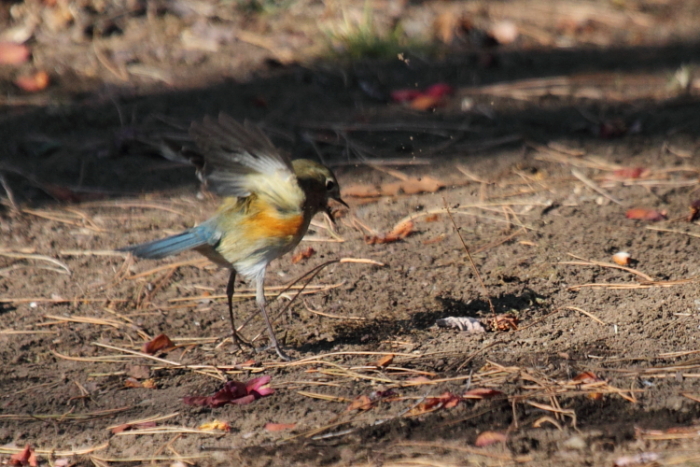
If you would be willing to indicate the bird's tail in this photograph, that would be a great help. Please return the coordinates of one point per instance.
(203, 234)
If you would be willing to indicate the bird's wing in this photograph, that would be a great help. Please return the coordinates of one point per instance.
(240, 160)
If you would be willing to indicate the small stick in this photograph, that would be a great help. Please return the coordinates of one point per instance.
(471, 260)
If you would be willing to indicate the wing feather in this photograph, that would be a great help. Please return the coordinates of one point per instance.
(240, 160)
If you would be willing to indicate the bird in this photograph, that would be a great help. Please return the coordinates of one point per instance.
(268, 201)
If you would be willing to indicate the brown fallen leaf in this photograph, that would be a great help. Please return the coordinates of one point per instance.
(399, 232)
(12, 53)
(694, 211)
(361, 402)
(412, 186)
(302, 255)
(132, 426)
(630, 173)
(503, 323)
(215, 425)
(425, 102)
(481, 393)
(384, 361)
(279, 426)
(446, 400)
(488, 438)
(25, 457)
(33, 83)
(160, 343)
(646, 214)
(360, 191)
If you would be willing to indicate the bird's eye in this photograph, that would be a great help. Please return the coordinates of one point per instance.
(330, 184)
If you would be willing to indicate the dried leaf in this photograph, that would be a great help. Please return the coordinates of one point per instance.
(384, 361)
(33, 83)
(13, 54)
(304, 254)
(160, 343)
(463, 323)
(280, 426)
(405, 95)
(631, 173)
(148, 384)
(361, 402)
(694, 211)
(446, 400)
(399, 232)
(439, 90)
(481, 393)
(431, 218)
(139, 371)
(132, 426)
(132, 383)
(586, 377)
(234, 392)
(426, 102)
(646, 214)
(622, 258)
(361, 191)
(412, 186)
(503, 323)
(215, 425)
(488, 438)
(25, 457)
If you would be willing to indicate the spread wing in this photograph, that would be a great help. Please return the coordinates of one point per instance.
(239, 160)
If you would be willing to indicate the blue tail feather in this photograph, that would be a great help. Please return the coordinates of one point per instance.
(195, 237)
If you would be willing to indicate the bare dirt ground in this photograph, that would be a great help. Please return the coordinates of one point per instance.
(546, 144)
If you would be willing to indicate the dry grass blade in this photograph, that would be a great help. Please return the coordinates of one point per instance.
(198, 262)
(324, 397)
(659, 229)
(590, 315)
(471, 261)
(56, 452)
(588, 262)
(83, 319)
(67, 416)
(17, 255)
(593, 186)
(475, 451)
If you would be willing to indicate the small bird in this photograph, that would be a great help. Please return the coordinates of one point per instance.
(268, 202)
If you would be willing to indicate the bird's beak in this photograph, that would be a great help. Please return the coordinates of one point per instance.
(328, 208)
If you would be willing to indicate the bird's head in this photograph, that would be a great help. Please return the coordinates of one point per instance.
(319, 184)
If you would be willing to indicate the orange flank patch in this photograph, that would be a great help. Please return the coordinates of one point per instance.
(265, 221)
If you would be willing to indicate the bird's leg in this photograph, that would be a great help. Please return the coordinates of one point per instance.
(260, 299)
(229, 295)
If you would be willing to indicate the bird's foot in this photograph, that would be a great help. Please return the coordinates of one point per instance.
(277, 349)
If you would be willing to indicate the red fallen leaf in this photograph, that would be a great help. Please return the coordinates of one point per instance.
(132, 426)
(160, 343)
(303, 255)
(361, 402)
(405, 95)
(234, 392)
(646, 214)
(439, 90)
(446, 400)
(399, 232)
(694, 211)
(481, 393)
(280, 426)
(488, 438)
(13, 54)
(25, 457)
(631, 172)
(33, 83)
